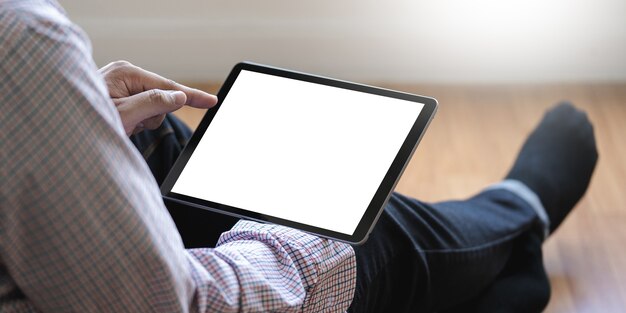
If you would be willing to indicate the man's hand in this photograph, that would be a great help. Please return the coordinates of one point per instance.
(143, 98)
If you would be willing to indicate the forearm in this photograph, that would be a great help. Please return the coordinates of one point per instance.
(275, 269)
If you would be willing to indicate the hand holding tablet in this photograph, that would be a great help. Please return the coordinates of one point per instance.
(308, 152)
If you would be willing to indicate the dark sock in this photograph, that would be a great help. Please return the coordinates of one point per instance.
(557, 160)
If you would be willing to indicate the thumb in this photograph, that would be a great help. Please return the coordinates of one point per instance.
(139, 107)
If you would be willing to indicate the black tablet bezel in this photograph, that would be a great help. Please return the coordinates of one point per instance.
(379, 199)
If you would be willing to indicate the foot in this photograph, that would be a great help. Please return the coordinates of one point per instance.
(557, 160)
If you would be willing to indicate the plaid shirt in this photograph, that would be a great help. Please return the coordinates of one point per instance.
(83, 227)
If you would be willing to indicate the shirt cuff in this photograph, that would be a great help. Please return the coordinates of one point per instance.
(327, 268)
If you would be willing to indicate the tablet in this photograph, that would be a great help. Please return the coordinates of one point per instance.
(317, 154)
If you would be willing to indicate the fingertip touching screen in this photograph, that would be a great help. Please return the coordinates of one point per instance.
(298, 151)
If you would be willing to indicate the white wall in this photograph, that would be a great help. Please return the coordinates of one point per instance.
(395, 40)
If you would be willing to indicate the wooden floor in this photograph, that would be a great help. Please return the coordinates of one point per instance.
(472, 142)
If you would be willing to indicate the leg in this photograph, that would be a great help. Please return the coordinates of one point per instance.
(422, 257)
(160, 148)
(484, 253)
(521, 287)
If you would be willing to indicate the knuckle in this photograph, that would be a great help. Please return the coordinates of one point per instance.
(172, 83)
(156, 95)
(121, 68)
(116, 68)
(120, 64)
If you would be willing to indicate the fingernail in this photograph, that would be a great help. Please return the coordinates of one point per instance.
(179, 97)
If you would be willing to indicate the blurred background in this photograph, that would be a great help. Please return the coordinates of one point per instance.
(446, 41)
(495, 67)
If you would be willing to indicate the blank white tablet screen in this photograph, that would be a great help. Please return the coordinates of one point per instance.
(300, 151)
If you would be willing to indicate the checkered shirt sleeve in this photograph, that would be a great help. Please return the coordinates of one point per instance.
(83, 227)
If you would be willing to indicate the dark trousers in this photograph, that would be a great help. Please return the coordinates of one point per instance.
(482, 254)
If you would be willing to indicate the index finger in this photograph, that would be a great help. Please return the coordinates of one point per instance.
(146, 80)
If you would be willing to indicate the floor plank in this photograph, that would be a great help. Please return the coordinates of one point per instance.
(472, 142)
